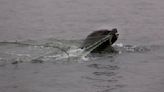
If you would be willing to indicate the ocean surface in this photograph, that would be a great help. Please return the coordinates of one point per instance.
(40, 39)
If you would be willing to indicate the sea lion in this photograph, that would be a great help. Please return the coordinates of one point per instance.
(100, 41)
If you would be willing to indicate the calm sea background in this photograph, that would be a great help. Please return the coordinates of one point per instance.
(139, 67)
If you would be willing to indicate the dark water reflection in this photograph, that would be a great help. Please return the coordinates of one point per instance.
(105, 75)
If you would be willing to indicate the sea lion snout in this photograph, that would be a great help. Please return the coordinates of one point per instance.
(113, 31)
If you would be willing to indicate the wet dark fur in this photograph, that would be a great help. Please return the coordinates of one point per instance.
(96, 36)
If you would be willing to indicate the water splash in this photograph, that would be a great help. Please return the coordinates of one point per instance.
(71, 53)
(131, 48)
(56, 51)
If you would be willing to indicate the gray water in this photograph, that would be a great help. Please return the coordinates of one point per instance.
(39, 42)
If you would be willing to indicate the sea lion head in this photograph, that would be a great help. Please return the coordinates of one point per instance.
(99, 35)
(115, 35)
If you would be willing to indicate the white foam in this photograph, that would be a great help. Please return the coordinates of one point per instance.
(70, 53)
(119, 45)
(84, 58)
(75, 52)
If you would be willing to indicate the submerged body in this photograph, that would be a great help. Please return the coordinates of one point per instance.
(100, 41)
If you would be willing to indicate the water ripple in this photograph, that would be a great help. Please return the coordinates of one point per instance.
(52, 50)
